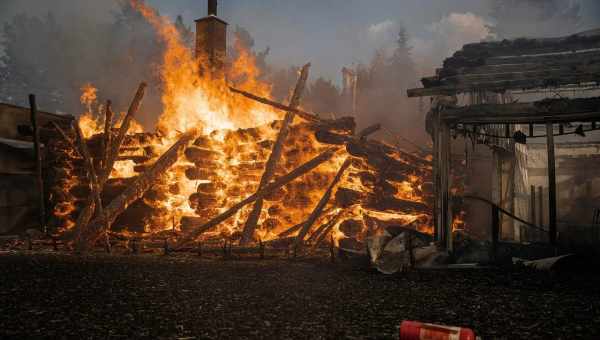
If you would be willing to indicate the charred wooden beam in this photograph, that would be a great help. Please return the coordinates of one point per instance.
(278, 183)
(136, 190)
(88, 211)
(305, 115)
(549, 110)
(250, 225)
(325, 228)
(322, 203)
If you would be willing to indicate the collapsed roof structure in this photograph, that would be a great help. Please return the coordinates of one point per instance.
(505, 94)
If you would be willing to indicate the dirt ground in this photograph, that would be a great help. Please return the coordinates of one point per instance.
(185, 297)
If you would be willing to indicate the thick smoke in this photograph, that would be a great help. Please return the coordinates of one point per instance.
(52, 48)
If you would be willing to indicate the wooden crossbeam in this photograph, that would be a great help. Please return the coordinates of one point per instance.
(553, 110)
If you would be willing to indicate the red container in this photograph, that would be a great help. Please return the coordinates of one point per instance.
(414, 330)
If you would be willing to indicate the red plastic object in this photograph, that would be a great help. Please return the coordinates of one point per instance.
(414, 330)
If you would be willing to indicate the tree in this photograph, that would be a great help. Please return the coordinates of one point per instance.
(54, 59)
(322, 97)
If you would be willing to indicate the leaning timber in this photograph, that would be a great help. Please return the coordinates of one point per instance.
(136, 190)
(252, 220)
(278, 183)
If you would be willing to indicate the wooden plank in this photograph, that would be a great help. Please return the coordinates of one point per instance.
(38, 164)
(551, 184)
(311, 117)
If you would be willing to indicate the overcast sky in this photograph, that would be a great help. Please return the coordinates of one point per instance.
(329, 33)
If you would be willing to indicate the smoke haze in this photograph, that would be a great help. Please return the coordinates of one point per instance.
(108, 46)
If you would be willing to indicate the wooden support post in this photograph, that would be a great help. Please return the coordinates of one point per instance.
(436, 178)
(495, 230)
(531, 130)
(551, 184)
(38, 165)
(540, 202)
(532, 207)
(446, 209)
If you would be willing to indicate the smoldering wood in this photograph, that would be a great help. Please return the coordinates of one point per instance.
(108, 117)
(351, 227)
(305, 115)
(250, 225)
(368, 131)
(332, 138)
(197, 154)
(279, 182)
(326, 231)
(380, 157)
(88, 211)
(136, 190)
(322, 203)
(325, 227)
(85, 153)
(195, 174)
(116, 146)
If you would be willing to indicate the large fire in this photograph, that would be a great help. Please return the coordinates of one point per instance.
(226, 164)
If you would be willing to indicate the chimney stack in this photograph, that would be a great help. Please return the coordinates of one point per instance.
(212, 7)
(211, 44)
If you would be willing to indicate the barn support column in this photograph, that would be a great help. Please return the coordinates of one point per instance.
(446, 184)
(551, 183)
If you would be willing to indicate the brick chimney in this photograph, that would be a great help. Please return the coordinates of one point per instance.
(211, 43)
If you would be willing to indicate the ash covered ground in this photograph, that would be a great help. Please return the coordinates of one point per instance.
(184, 297)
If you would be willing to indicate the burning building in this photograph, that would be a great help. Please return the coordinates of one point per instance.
(226, 162)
